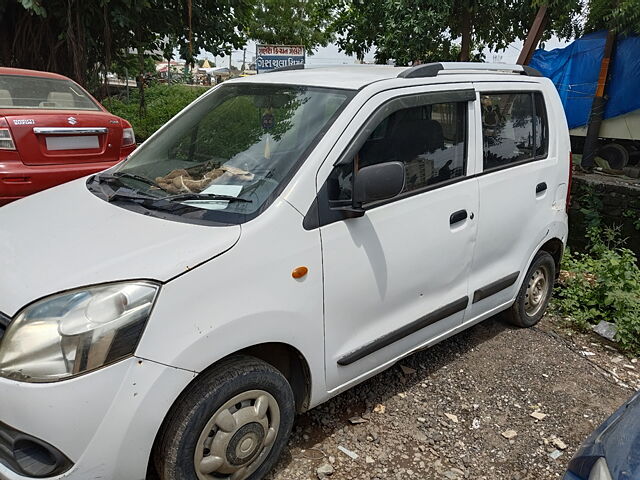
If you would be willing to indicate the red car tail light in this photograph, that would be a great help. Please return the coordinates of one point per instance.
(128, 137)
(6, 140)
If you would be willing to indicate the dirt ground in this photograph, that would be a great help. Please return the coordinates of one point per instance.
(462, 409)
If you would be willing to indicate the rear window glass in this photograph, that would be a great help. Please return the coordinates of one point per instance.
(21, 91)
(514, 128)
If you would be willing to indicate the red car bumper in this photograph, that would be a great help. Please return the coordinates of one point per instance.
(18, 180)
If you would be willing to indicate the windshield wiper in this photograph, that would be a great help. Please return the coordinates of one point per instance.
(125, 196)
(133, 176)
(205, 196)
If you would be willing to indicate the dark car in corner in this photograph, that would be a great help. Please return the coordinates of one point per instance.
(612, 451)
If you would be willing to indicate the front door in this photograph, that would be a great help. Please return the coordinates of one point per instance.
(396, 277)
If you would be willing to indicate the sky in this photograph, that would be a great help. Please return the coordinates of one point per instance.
(331, 55)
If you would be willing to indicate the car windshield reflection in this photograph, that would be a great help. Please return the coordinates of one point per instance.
(241, 142)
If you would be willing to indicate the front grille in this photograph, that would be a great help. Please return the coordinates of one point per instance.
(4, 323)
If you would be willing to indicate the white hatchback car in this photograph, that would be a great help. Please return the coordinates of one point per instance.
(282, 239)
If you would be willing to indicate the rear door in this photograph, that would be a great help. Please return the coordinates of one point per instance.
(517, 184)
(62, 137)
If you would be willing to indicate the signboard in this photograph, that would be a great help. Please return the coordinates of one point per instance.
(270, 57)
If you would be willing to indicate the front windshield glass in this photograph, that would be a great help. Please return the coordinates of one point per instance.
(230, 153)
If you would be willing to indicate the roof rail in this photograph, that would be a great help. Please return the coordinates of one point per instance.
(432, 69)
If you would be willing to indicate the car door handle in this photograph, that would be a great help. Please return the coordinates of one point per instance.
(541, 187)
(457, 217)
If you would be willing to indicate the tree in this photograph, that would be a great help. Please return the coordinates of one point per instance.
(429, 30)
(78, 38)
(622, 16)
(292, 22)
(128, 65)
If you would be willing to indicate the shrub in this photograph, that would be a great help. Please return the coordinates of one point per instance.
(163, 102)
(603, 284)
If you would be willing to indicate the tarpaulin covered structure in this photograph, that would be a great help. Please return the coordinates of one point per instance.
(574, 71)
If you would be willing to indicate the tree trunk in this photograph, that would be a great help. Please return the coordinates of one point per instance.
(54, 43)
(592, 140)
(465, 47)
(7, 30)
(75, 42)
(143, 105)
(107, 50)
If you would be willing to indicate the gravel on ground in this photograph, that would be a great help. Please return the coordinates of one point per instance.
(493, 402)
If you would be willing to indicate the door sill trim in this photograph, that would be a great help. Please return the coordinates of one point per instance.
(495, 287)
(402, 332)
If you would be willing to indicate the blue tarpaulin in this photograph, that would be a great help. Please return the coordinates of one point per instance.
(574, 70)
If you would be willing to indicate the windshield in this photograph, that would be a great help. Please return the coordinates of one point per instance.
(229, 154)
(22, 91)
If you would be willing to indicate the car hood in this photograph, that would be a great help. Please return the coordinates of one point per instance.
(66, 237)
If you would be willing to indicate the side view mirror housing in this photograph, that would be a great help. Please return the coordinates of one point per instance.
(378, 182)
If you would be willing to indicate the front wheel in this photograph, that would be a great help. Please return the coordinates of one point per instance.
(535, 292)
(232, 424)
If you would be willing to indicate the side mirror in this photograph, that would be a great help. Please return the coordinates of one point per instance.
(378, 182)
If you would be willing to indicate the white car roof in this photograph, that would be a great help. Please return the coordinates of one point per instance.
(349, 76)
(356, 77)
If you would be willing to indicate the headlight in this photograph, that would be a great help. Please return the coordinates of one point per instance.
(76, 331)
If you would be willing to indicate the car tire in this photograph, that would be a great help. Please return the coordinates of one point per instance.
(232, 422)
(535, 292)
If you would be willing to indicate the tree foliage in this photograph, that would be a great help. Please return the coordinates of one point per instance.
(622, 16)
(80, 37)
(427, 30)
(292, 22)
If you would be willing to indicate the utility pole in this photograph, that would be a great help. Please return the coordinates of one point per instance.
(244, 57)
(533, 37)
(591, 140)
(230, 53)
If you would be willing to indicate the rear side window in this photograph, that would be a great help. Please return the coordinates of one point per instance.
(514, 128)
(430, 140)
(541, 127)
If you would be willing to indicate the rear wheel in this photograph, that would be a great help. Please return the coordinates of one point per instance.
(232, 424)
(535, 292)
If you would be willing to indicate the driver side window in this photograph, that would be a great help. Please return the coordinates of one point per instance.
(430, 140)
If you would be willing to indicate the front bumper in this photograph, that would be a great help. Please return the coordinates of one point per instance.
(104, 422)
(30, 456)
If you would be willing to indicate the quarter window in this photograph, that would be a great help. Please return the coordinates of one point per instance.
(430, 140)
(514, 128)
(541, 127)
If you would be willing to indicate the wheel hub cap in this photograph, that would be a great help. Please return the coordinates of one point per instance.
(245, 443)
(536, 293)
(238, 437)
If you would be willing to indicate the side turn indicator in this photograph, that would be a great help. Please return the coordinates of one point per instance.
(299, 272)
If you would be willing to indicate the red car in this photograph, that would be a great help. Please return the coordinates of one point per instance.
(53, 131)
